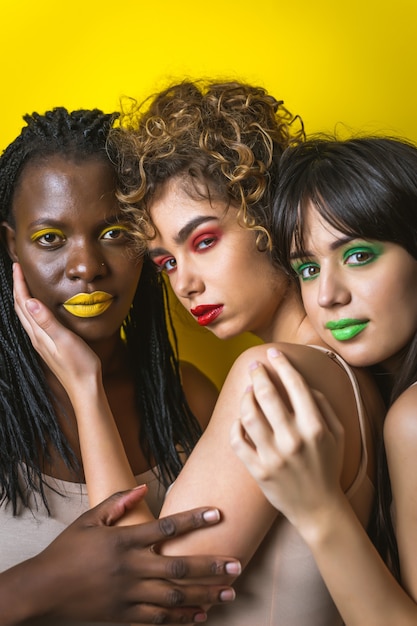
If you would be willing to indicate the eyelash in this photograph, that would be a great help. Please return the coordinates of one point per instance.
(121, 230)
(204, 238)
(37, 237)
(306, 265)
(44, 232)
(161, 263)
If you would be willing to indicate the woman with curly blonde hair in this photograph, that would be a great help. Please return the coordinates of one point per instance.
(199, 167)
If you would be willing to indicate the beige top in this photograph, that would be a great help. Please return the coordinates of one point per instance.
(281, 585)
(28, 533)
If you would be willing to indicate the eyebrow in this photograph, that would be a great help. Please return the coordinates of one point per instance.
(58, 223)
(186, 230)
(184, 233)
(333, 246)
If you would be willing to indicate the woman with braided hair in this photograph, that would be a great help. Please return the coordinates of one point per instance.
(61, 221)
(199, 167)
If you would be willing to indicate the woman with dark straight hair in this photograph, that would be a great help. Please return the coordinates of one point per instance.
(345, 226)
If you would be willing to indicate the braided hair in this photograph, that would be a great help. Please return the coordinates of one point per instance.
(28, 422)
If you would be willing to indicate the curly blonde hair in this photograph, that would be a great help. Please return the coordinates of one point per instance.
(223, 138)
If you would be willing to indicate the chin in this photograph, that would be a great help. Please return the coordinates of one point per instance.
(355, 358)
(224, 333)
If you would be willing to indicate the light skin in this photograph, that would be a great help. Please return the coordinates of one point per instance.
(236, 275)
(69, 237)
(341, 279)
(345, 278)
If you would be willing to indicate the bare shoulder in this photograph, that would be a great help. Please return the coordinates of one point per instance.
(322, 371)
(200, 391)
(400, 428)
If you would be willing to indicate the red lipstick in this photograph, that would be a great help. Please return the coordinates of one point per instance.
(205, 314)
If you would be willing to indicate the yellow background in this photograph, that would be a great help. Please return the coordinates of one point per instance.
(345, 65)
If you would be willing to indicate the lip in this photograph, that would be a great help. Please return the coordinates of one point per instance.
(205, 314)
(88, 304)
(345, 329)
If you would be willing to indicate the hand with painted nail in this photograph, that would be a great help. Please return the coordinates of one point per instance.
(64, 352)
(117, 573)
(293, 445)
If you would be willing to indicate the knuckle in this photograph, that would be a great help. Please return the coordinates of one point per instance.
(167, 526)
(178, 568)
(161, 617)
(217, 567)
(175, 597)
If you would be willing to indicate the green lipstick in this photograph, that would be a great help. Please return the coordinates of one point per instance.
(346, 329)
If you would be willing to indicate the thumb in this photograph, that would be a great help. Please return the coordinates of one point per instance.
(111, 510)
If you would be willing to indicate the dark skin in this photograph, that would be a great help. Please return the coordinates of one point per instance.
(97, 571)
(67, 238)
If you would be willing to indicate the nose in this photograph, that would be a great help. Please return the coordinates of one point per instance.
(85, 262)
(333, 289)
(186, 282)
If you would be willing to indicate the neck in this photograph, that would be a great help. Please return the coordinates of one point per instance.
(290, 323)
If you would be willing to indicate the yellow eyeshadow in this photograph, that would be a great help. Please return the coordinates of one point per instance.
(46, 231)
(114, 227)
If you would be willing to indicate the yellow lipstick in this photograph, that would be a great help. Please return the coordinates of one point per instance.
(88, 304)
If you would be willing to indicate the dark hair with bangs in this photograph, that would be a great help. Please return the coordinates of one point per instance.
(366, 188)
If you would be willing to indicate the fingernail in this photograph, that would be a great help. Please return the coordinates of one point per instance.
(273, 352)
(234, 567)
(139, 487)
(227, 595)
(254, 365)
(200, 617)
(32, 306)
(212, 515)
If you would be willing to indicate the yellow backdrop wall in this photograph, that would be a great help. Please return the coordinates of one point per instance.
(341, 65)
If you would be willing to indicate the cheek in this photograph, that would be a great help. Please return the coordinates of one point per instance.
(42, 279)
(309, 298)
(130, 278)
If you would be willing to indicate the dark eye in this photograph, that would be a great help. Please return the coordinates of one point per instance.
(307, 271)
(48, 237)
(115, 232)
(359, 257)
(165, 264)
(207, 242)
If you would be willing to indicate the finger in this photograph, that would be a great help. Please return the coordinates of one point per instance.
(20, 295)
(168, 594)
(330, 418)
(243, 446)
(307, 416)
(274, 409)
(149, 614)
(111, 510)
(179, 524)
(19, 283)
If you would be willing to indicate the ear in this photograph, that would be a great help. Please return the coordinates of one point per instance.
(8, 238)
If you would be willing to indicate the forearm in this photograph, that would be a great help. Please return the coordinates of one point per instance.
(361, 585)
(106, 467)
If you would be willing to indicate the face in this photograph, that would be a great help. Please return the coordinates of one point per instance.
(73, 245)
(360, 295)
(213, 264)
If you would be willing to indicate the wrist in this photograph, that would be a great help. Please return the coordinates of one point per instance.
(83, 390)
(22, 599)
(317, 527)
